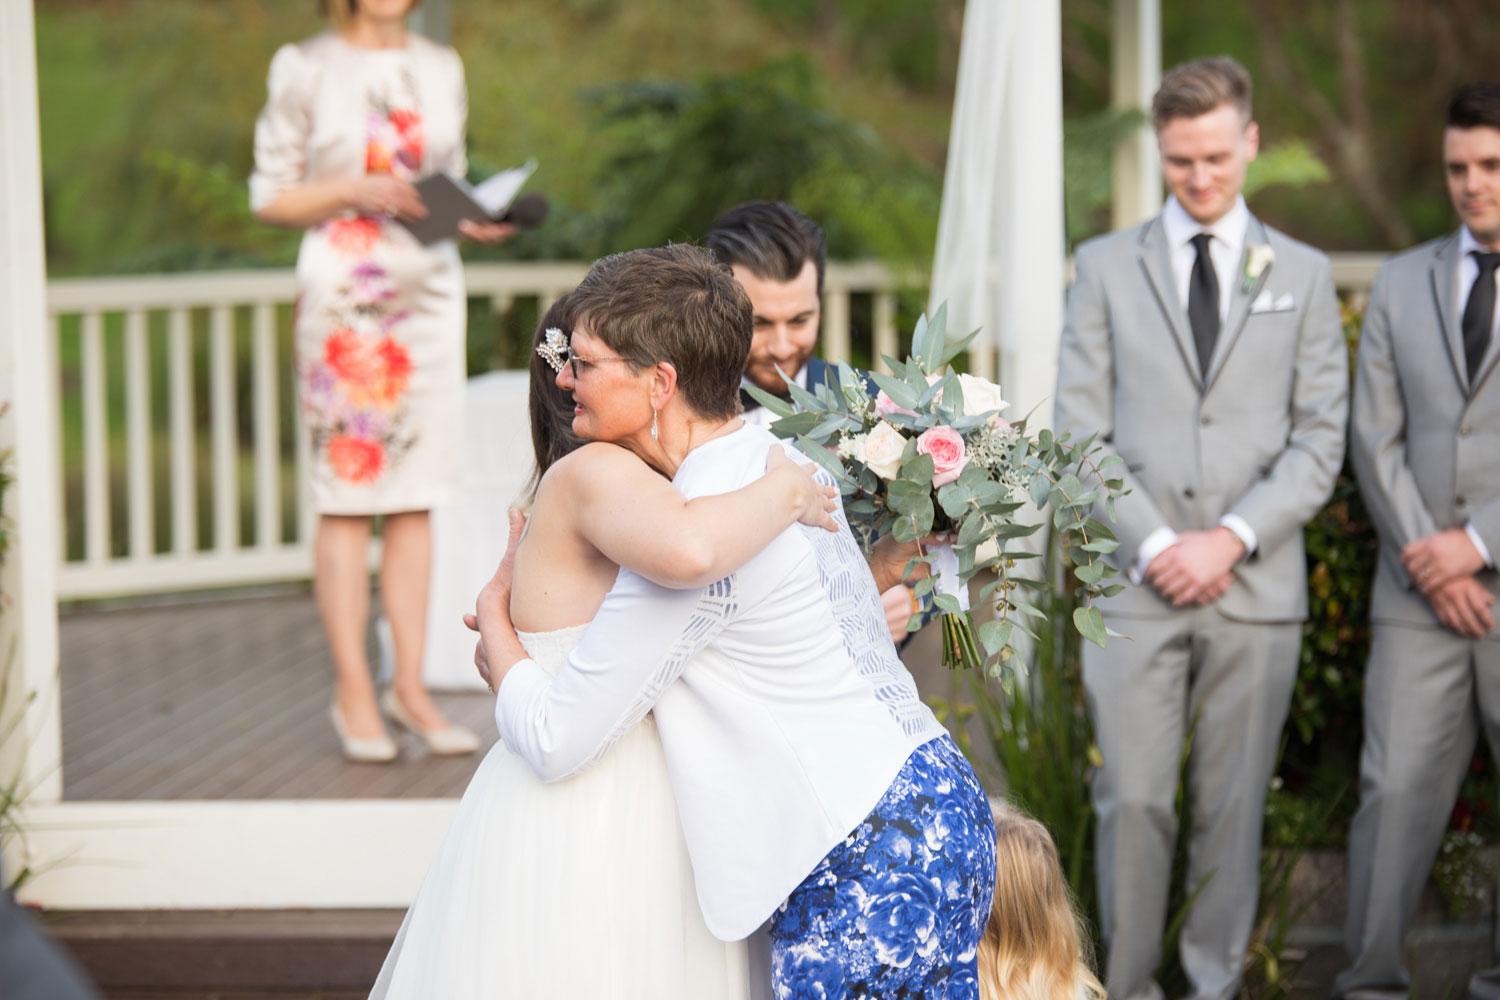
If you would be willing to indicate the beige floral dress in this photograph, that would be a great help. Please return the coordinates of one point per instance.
(380, 318)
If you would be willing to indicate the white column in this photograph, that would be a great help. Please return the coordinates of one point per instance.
(1135, 72)
(28, 624)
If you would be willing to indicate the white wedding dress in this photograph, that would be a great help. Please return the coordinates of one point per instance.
(578, 890)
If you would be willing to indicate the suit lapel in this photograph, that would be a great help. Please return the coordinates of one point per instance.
(1444, 296)
(817, 371)
(1240, 298)
(1156, 262)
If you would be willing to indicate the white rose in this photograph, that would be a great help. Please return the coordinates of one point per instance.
(882, 450)
(980, 395)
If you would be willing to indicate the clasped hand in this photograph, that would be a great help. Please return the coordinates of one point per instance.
(1196, 569)
(1442, 565)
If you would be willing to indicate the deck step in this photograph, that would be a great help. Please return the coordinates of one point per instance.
(229, 955)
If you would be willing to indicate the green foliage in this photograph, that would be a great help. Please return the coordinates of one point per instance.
(877, 454)
(1463, 875)
(690, 150)
(906, 38)
(1341, 552)
(1290, 164)
(1036, 721)
(144, 172)
(1089, 143)
(209, 205)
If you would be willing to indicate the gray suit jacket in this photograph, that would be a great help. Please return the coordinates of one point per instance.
(1262, 437)
(1425, 442)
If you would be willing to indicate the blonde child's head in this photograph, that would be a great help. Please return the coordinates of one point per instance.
(1034, 947)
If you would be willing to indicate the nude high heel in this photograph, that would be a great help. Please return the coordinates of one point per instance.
(452, 740)
(365, 751)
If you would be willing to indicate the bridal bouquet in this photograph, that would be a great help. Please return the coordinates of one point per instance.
(929, 453)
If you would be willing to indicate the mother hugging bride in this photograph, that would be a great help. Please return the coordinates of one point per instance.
(817, 794)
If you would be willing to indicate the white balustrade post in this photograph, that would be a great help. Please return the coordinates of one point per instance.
(29, 576)
(1135, 72)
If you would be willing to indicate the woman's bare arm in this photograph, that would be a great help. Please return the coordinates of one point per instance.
(638, 520)
(315, 202)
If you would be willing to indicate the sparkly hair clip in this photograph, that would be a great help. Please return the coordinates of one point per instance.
(553, 348)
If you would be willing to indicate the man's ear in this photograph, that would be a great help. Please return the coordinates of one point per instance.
(663, 384)
(1252, 140)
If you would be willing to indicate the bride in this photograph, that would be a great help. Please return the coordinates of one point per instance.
(583, 889)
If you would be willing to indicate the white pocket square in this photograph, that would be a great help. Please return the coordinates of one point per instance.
(1265, 302)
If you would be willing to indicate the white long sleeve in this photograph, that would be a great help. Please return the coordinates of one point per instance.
(640, 641)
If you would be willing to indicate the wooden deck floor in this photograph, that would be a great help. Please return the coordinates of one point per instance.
(225, 699)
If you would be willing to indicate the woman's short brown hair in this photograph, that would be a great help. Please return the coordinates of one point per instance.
(1195, 88)
(675, 304)
(341, 12)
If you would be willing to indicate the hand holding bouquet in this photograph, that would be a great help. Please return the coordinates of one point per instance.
(929, 452)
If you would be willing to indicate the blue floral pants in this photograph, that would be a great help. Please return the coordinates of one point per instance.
(897, 910)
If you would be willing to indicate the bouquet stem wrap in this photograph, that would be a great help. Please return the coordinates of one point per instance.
(960, 648)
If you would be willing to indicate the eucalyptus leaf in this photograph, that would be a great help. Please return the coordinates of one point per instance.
(797, 423)
(832, 422)
(804, 399)
(919, 338)
(1038, 489)
(948, 603)
(904, 495)
(776, 404)
(899, 392)
(1090, 572)
(1090, 624)
(954, 499)
(917, 468)
(971, 530)
(955, 348)
(994, 636)
(821, 455)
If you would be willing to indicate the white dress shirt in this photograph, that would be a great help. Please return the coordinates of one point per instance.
(783, 710)
(1226, 250)
(1468, 273)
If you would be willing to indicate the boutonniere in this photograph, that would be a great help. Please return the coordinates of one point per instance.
(1259, 257)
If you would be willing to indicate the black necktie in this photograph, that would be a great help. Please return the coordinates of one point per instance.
(748, 401)
(1203, 303)
(1479, 313)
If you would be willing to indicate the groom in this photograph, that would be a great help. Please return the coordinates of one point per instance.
(1204, 349)
(816, 791)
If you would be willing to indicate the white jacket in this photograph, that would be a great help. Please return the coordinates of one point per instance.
(783, 709)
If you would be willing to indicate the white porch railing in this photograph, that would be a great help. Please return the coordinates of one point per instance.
(182, 464)
(199, 482)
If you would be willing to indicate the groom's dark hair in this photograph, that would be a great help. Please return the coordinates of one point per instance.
(1475, 106)
(771, 239)
(1195, 88)
(675, 304)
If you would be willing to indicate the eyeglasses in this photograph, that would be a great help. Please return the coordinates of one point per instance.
(580, 364)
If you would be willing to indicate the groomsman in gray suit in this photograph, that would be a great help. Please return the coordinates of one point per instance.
(1426, 444)
(1204, 349)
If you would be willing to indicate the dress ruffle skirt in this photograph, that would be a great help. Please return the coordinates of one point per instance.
(565, 891)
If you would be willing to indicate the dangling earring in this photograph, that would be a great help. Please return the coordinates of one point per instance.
(654, 433)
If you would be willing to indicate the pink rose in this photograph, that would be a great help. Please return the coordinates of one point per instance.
(946, 446)
(885, 406)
